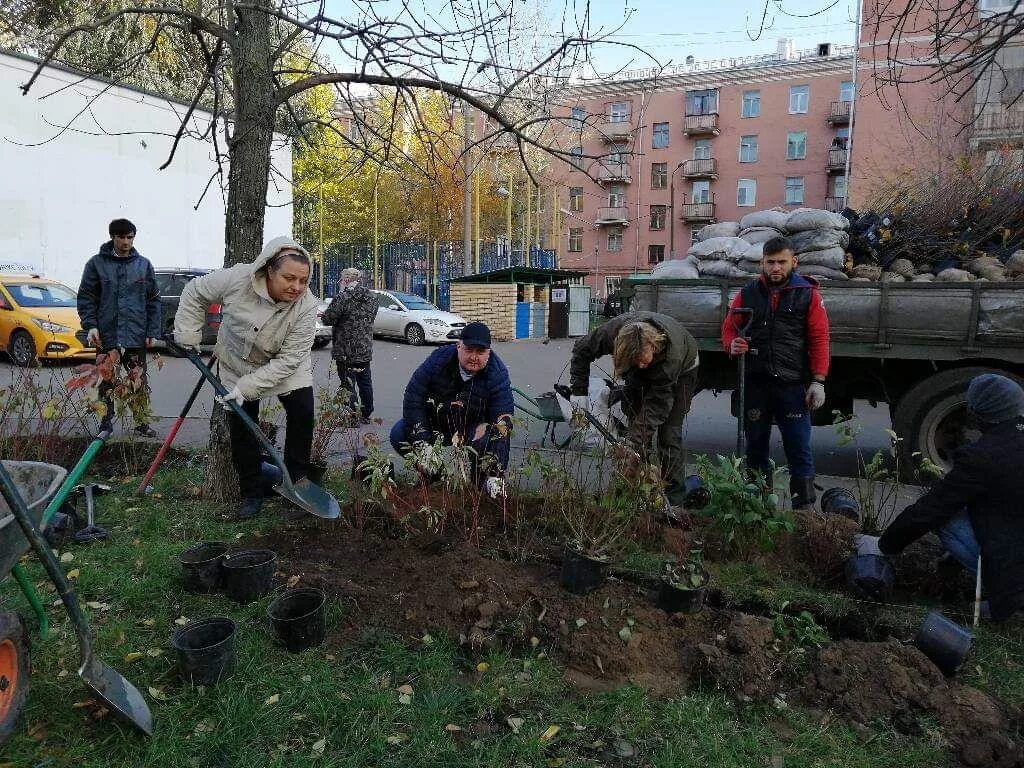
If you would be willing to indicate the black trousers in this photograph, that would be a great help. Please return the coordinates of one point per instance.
(131, 358)
(245, 447)
(357, 378)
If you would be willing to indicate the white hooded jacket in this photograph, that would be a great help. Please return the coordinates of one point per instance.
(263, 346)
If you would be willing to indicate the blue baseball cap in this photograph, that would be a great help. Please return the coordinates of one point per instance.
(476, 335)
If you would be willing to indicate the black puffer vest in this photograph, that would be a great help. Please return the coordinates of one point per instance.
(780, 337)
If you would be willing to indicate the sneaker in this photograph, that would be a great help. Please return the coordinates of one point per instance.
(144, 430)
(251, 506)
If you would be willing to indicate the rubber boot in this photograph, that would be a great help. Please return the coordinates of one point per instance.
(251, 506)
(802, 492)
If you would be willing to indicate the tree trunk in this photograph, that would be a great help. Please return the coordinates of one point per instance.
(248, 175)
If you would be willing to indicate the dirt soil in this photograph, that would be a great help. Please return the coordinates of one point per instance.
(616, 635)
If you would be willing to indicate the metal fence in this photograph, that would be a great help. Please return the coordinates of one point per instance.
(422, 268)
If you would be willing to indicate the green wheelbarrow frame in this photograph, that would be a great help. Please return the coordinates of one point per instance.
(545, 409)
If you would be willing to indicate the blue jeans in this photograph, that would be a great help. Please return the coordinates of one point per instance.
(769, 402)
(957, 537)
(490, 443)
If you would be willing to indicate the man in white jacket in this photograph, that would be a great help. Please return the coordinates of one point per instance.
(263, 348)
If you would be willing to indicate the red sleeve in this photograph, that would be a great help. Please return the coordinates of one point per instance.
(818, 336)
(730, 326)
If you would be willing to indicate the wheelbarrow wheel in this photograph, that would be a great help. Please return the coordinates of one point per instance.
(14, 671)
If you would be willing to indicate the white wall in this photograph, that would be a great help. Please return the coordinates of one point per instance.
(60, 189)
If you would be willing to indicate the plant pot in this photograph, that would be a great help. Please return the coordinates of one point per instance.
(315, 471)
(201, 566)
(299, 618)
(840, 501)
(206, 650)
(676, 598)
(581, 574)
(691, 493)
(249, 574)
(872, 576)
(943, 641)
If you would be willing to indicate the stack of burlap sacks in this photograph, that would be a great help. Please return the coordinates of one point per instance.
(982, 268)
(734, 249)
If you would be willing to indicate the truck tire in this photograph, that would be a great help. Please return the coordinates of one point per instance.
(931, 417)
(14, 671)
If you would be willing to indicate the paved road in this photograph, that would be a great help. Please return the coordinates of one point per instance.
(534, 367)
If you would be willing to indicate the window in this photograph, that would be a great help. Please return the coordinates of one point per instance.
(796, 145)
(846, 90)
(615, 239)
(702, 149)
(702, 102)
(387, 301)
(701, 192)
(751, 104)
(612, 283)
(618, 112)
(794, 190)
(575, 239)
(659, 175)
(616, 196)
(843, 133)
(576, 158)
(579, 118)
(748, 149)
(746, 192)
(655, 254)
(839, 188)
(576, 199)
(658, 213)
(799, 96)
(660, 138)
(619, 153)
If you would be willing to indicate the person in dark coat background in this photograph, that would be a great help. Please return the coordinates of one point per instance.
(461, 392)
(978, 507)
(351, 313)
(119, 306)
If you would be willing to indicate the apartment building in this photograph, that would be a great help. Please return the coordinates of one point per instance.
(659, 155)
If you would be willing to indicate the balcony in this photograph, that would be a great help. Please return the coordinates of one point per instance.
(992, 130)
(701, 125)
(615, 130)
(703, 168)
(839, 113)
(608, 214)
(610, 172)
(836, 160)
(835, 204)
(696, 212)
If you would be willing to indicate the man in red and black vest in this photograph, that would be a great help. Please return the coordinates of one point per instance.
(785, 375)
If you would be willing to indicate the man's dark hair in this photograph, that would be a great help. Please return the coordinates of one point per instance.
(777, 245)
(121, 227)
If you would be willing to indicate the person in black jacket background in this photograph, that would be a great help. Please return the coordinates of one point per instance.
(978, 507)
(351, 313)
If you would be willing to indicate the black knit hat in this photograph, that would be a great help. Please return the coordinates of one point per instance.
(994, 398)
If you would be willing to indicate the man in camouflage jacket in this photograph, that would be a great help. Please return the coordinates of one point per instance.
(351, 313)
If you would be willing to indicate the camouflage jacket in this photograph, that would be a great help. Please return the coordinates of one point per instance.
(351, 313)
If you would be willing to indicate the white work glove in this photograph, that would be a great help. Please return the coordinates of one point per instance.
(92, 338)
(867, 545)
(495, 487)
(815, 395)
(581, 402)
(235, 394)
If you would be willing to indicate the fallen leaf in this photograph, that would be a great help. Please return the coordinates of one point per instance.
(580, 623)
(148, 622)
(181, 621)
(62, 673)
(272, 699)
(625, 634)
(515, 723)
(427, 640)
(534, 642)
(405, 689)
(329, 657)
(67, 557)
(98, 606)
(157, 694)
(292, 581)
(550, 733)
(74, 573)
(306, 678)
(154, 652)
(452, 728)
(482, 667)
(81, 704)
(397, 739)
(133, 656)
(319, 747)
(404, 699)
(204, 726)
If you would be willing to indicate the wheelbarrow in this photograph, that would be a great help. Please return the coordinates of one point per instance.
(26, 487)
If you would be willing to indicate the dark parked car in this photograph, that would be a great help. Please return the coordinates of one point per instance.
(170, 283)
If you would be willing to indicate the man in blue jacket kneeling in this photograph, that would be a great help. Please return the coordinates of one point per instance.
(463, 394)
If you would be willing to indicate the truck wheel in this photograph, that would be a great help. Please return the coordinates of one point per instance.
(932, 418)
(22, 349)
(14, 671)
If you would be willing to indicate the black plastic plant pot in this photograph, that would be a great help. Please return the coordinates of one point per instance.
(943, 641)
(840, 501)
(206, 650)
(315, 471)
(582, 574)
(249, 574)
(698, 495)
(299, 618)
(871, 576)
(201, 566)
(677, 598)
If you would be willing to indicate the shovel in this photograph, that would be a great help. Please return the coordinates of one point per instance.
(741, 362)
(120, 696)
(303, 494)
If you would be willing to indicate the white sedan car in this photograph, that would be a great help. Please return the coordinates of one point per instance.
(413, 318)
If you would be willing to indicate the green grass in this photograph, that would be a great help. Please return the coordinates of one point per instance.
(341, 706)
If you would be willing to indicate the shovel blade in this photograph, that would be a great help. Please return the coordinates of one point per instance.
(312, 498)
(120, 696)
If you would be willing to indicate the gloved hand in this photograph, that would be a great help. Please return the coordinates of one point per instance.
(92, 338)
(235, 394)
(867, 545)
(739, 346)
(580, 401)
(815, 395)
(495, 487)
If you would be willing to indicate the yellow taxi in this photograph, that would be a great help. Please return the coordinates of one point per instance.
(38, 320)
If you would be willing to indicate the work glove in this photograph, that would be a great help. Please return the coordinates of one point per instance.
(739, 346)
(580, 401)
(235, 394)
(495, 487)
(92, 338)
(867, 545)
(815, 395)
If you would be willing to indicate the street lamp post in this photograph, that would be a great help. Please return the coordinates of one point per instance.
(672, 211)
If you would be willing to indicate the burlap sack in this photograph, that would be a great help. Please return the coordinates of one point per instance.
(774, 218)
(822, 273)
(678, 268)
(833, 258)
(719, 269)
(720, 249)
(819, 240)
(755, 235)
(871, 272)
(803, 219)
(718, 229)
(953, 275)
(903, 267)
